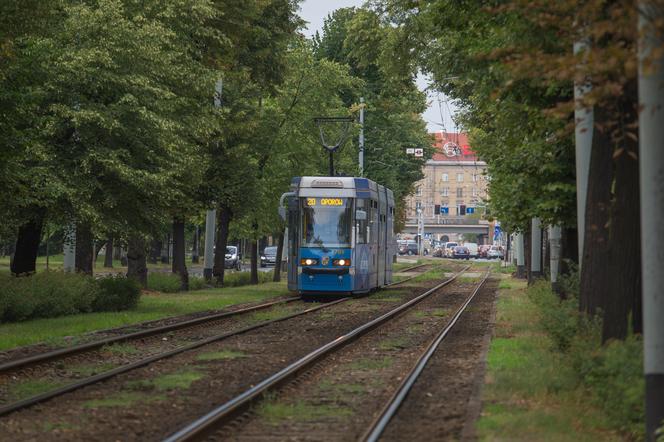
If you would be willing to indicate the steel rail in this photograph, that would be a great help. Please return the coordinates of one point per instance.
(69, 351)
(205, 424)
(381, 422)
(28, 402)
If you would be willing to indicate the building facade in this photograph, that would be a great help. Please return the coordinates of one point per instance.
(454, 186)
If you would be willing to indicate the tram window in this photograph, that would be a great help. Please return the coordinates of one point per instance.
(361, 224)
(326, 222)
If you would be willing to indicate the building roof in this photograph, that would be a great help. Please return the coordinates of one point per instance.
(452, 147)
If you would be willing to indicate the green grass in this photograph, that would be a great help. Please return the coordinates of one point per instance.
(340, 391)
(278, 311)
(431, 275)
(530, 394)
(122, 399)
(274, 411)
(31, 388)
(371, 364)
(220, 355)
(150, 307)
(173, 381)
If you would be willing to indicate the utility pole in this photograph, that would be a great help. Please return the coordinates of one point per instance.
(583, 137)
(651, 172)
(361, 143)
(211, 215)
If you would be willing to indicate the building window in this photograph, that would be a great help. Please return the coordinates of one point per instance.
(459, 177)
(476, 191)
(459, 192)
(445, 191)
(418, 191)
(446, 178)
(476, 178)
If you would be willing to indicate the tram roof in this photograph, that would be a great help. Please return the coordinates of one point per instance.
(329, 186)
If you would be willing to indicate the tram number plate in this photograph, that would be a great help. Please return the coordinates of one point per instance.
(311, 201)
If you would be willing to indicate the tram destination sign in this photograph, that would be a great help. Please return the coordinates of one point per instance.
(325, 202)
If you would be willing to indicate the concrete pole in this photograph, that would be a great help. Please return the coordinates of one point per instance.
(361, 141)
(520, 257)
(651, 170)
(583, 136)
(208, 259)
(69, 261)
(536, 248)
(211, 215)
(555, 236)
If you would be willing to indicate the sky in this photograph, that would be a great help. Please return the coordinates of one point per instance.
(439, 114)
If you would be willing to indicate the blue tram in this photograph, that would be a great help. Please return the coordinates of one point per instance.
(340, 235)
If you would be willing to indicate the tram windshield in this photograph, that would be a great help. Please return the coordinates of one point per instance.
(326, 222)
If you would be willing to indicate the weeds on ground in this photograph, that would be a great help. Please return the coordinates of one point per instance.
(31, 388)
(275, 411)
(371, 364)
(393, 344)
(122, 399)
(220, 355)
(172, 381)
(120, 349)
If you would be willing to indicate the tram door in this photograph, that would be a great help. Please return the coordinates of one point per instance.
(293, 241)
(382, 203)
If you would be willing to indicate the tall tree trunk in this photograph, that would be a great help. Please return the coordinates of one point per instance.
(224, 215)
(137, 267)
(156, 245)
(254, 261)
(194, 250)
(594, 267)
(527, 253)
(27, 246)
(624, 272)
(84, 250)
(117, 252)
(569, 256)
(179, 262)
(277, 262)
(108, 258)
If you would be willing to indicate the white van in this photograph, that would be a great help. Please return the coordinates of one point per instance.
(473, 249)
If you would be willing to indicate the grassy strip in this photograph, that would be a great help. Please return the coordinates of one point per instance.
(530, 392)
(150, 307)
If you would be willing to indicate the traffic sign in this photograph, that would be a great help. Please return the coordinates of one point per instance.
(410, 150)
(419, 152)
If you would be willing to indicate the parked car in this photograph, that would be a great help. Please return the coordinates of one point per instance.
(449, 248)
(495, 252)
(232, 259)
(269, 256)
(438, 252)
(484, 249)
(409, 249)
(473, 249)
(460, 252)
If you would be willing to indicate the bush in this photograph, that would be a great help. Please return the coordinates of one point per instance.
(116, 293)
(612, 373)
(51, 294)
(170, 282)
(164, 282)
(46, 295)
(237, 279)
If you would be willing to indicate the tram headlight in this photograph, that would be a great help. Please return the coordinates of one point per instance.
(344, 262)
(308, 261)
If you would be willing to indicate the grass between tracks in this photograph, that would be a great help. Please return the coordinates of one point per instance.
(531, 392)
(68, 329)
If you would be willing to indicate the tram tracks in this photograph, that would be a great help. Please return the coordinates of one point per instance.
(210, 422)
(56, 359)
